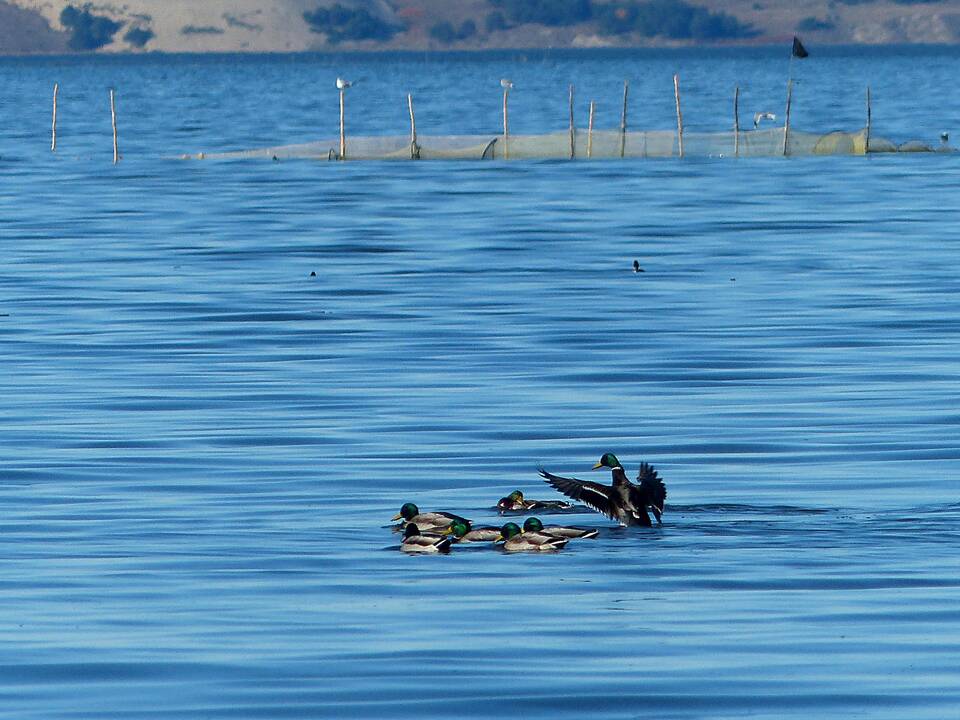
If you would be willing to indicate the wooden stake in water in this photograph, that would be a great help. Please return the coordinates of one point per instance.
(786, 121)
(506, 85)
(343, 136)
(414, 148)
(623, 118)
(113, 116)
(736, 122)
(590, 131)
(676, 94)
(866, 144)
(573, 130)
(56, 93)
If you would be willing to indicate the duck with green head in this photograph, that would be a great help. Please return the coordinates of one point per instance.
(428, 521)
(623, 501)
(516, 540)
(515, 501)
(463, 531)
(533, 524)
(415, 541)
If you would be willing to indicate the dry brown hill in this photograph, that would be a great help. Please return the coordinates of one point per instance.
(280, 25)
(26, 31)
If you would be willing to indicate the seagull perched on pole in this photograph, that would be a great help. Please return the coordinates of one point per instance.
(343, 84)
(762, 116)
(506, 84)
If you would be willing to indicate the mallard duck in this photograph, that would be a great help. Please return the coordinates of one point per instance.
(622, 501)
(415, 541)
(465, 532)
(516, 501)
(516, 540)
(430, 521)
(534, 525)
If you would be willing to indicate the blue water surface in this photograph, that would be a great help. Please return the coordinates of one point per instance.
(202, 444)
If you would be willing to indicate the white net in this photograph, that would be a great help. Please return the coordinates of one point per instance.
(602, 144)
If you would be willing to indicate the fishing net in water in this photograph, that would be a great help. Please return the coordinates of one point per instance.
(603, 144)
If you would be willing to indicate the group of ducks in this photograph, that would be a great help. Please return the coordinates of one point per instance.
(622, 501)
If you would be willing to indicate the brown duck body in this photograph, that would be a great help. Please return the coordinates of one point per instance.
(481, 534)
(517, 540)
(516, 502)
(415, 541)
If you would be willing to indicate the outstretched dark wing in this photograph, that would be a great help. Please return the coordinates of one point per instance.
(589, 493)
(652, 490)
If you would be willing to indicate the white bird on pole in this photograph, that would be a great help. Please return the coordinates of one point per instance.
(762, 116)
(343, 84)
(506, 84)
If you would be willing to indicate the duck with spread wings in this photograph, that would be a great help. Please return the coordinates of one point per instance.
(622, 501)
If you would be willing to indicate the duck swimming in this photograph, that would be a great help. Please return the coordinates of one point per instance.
(622, 501)
(516, 501)
(516, 540)
(466, 533)
(534, 525)
(415, 541)
(429, 521)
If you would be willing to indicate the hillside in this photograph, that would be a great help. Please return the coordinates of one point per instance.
(25, 31)
(52, 26)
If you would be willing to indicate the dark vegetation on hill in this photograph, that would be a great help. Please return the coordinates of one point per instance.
(139, 37)
(446, 33)
(546, 12)
(88, 31)
(674, 19)
(341, 23)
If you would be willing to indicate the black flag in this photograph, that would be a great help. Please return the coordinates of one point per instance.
(799, 51)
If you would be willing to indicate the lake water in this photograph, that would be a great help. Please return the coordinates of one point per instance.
(202, 444)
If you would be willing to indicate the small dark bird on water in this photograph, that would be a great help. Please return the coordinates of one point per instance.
(636, 267)
(622, 501)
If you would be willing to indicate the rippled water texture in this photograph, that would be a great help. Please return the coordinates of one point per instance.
(202, 444)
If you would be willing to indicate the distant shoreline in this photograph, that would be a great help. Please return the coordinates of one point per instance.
(227, 27)
(765, 48)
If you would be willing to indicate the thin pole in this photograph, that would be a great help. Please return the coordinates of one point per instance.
(736, 122)
(866, 145)
(786, 122)
(590, 132)
(676, 94)
(623, 118)
(343, 137)
(506, 125)
(414, 148)
(573, 130)
(113, 116)
(56, 93)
